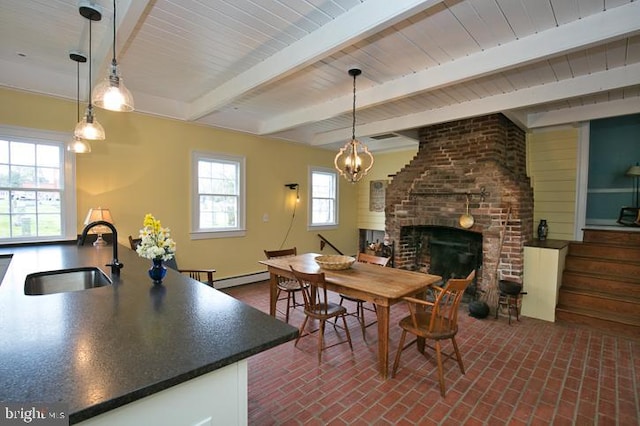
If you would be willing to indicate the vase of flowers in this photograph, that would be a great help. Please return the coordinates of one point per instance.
(156, 244)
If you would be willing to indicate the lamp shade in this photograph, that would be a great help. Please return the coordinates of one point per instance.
(112, 94)
(79, 146)
(89, 128)
(633, 171)
(97, 214)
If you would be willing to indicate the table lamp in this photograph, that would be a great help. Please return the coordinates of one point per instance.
(95, 215)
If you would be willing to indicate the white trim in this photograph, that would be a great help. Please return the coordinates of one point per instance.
(241, 280)
(336, 220)
(68, 202)
(582, 181)
(198, 233)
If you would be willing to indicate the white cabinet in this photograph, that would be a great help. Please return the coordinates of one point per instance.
(216, 398)
(541, 281)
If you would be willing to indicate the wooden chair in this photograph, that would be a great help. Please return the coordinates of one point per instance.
(285, 284)
(318, 307)
(438, 322)
(360, 307)
(203, 275)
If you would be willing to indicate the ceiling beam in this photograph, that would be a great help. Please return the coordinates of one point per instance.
(130, 14)
(345, 30)
(551, 92)
(584, 113)
(595, 29)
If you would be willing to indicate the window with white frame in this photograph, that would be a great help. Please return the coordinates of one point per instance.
(37, 186)
(324, 198)
(218, 195)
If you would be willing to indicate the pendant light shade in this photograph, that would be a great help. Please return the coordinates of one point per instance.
(78, 145)
(89, 128)
(111, 93)
(354, 160)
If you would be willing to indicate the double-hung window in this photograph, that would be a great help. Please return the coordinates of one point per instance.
(324, 198)
(218, 196)
(37, 188)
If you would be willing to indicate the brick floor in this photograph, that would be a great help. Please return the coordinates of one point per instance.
(531, 372)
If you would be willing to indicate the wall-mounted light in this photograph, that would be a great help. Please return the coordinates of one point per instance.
(296, 187)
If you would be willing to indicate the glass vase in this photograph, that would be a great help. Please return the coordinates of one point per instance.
(157, 271)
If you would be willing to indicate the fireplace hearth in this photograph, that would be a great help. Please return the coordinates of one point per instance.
(484, 156)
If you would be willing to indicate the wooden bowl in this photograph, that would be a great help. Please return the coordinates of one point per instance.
(335, 262)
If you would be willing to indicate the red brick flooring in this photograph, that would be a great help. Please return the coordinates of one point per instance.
(529, 373)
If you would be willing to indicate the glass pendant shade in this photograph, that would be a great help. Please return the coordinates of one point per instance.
(79, 146)
(353, 161)
(111, 92)
(89, 128)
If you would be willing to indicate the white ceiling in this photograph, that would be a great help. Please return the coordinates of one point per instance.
(278, 68)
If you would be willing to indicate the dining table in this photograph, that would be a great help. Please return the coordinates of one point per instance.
(382, 286)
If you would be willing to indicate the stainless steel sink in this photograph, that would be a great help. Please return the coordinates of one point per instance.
(65, 280)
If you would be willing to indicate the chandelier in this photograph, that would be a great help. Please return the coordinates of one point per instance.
(354, 160)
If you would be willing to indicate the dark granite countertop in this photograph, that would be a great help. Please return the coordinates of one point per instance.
(104, 347)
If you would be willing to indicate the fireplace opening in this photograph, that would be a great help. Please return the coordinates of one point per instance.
(447, 252)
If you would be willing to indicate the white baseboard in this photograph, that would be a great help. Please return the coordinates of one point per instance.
(240, 280)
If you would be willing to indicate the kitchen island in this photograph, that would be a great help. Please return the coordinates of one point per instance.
(130, 347)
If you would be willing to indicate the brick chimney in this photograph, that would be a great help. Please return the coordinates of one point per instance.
(484, 157)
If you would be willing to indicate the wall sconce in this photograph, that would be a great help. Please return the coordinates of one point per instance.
(95, 215)
(296, 187)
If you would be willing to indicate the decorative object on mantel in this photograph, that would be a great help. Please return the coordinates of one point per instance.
(543, 230)
(348, 162)
(467, 220)
(89, 127)
(377, 190)
(111, 93)
(156, 244)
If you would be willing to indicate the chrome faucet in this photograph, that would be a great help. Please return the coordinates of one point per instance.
(115, 263)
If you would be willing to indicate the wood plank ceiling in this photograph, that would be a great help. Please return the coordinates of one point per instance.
(279, 67)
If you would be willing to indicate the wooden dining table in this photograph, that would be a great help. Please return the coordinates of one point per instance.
(372, 283)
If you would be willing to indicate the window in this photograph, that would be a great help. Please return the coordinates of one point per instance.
(218, 196)
(324, 198)
(37, 188)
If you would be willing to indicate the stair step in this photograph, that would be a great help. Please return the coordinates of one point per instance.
(601, 302)
(610, 322)
(624, 236)
(605, 251)
(602, 266)
(601, 282)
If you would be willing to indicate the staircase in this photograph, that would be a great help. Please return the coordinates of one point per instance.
(601, 282)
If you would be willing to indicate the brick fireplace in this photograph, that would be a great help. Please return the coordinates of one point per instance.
(484, 157)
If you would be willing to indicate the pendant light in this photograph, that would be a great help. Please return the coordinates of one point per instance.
(89, 128)
(111, 93)
(354, 160)
(78, 145)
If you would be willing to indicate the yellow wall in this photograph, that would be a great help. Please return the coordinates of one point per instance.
(552, 161)
(385, 164)
(144, 167)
